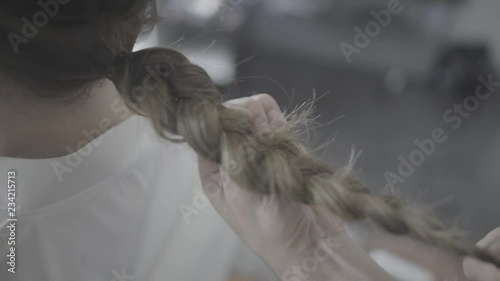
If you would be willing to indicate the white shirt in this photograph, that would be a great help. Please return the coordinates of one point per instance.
(127, 206)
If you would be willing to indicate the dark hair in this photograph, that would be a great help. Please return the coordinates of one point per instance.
(57, 48)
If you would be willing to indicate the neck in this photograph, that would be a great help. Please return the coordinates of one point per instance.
(39, 128)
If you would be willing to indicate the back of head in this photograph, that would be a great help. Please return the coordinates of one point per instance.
(58, 47)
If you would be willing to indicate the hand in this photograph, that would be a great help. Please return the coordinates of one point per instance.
(477, 270)
(291, 237)
(263, 222)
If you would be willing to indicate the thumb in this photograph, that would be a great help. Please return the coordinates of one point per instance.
(477, 270)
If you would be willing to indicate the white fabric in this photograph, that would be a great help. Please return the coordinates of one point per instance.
(112, 212)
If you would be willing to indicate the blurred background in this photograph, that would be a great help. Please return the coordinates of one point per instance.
(383, 73)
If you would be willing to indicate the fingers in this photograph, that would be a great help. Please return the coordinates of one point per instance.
(262, 111)
(477, 270)
(491, 242)
(259, 117)
(271, 107)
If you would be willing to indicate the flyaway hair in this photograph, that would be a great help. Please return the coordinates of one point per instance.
(187, 103)
(90, 40)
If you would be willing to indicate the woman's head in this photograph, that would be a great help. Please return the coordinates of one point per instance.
(57, 48)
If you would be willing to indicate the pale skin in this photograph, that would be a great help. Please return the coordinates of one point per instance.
(32, 127)
(284, 234)
(479, 271)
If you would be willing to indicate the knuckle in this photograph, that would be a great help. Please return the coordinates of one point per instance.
(263, 96)
(265, 99)
(256, 107)
(239, 101)
(491, 238)
(250, 103)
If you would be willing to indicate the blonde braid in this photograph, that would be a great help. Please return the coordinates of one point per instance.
(188, 104)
